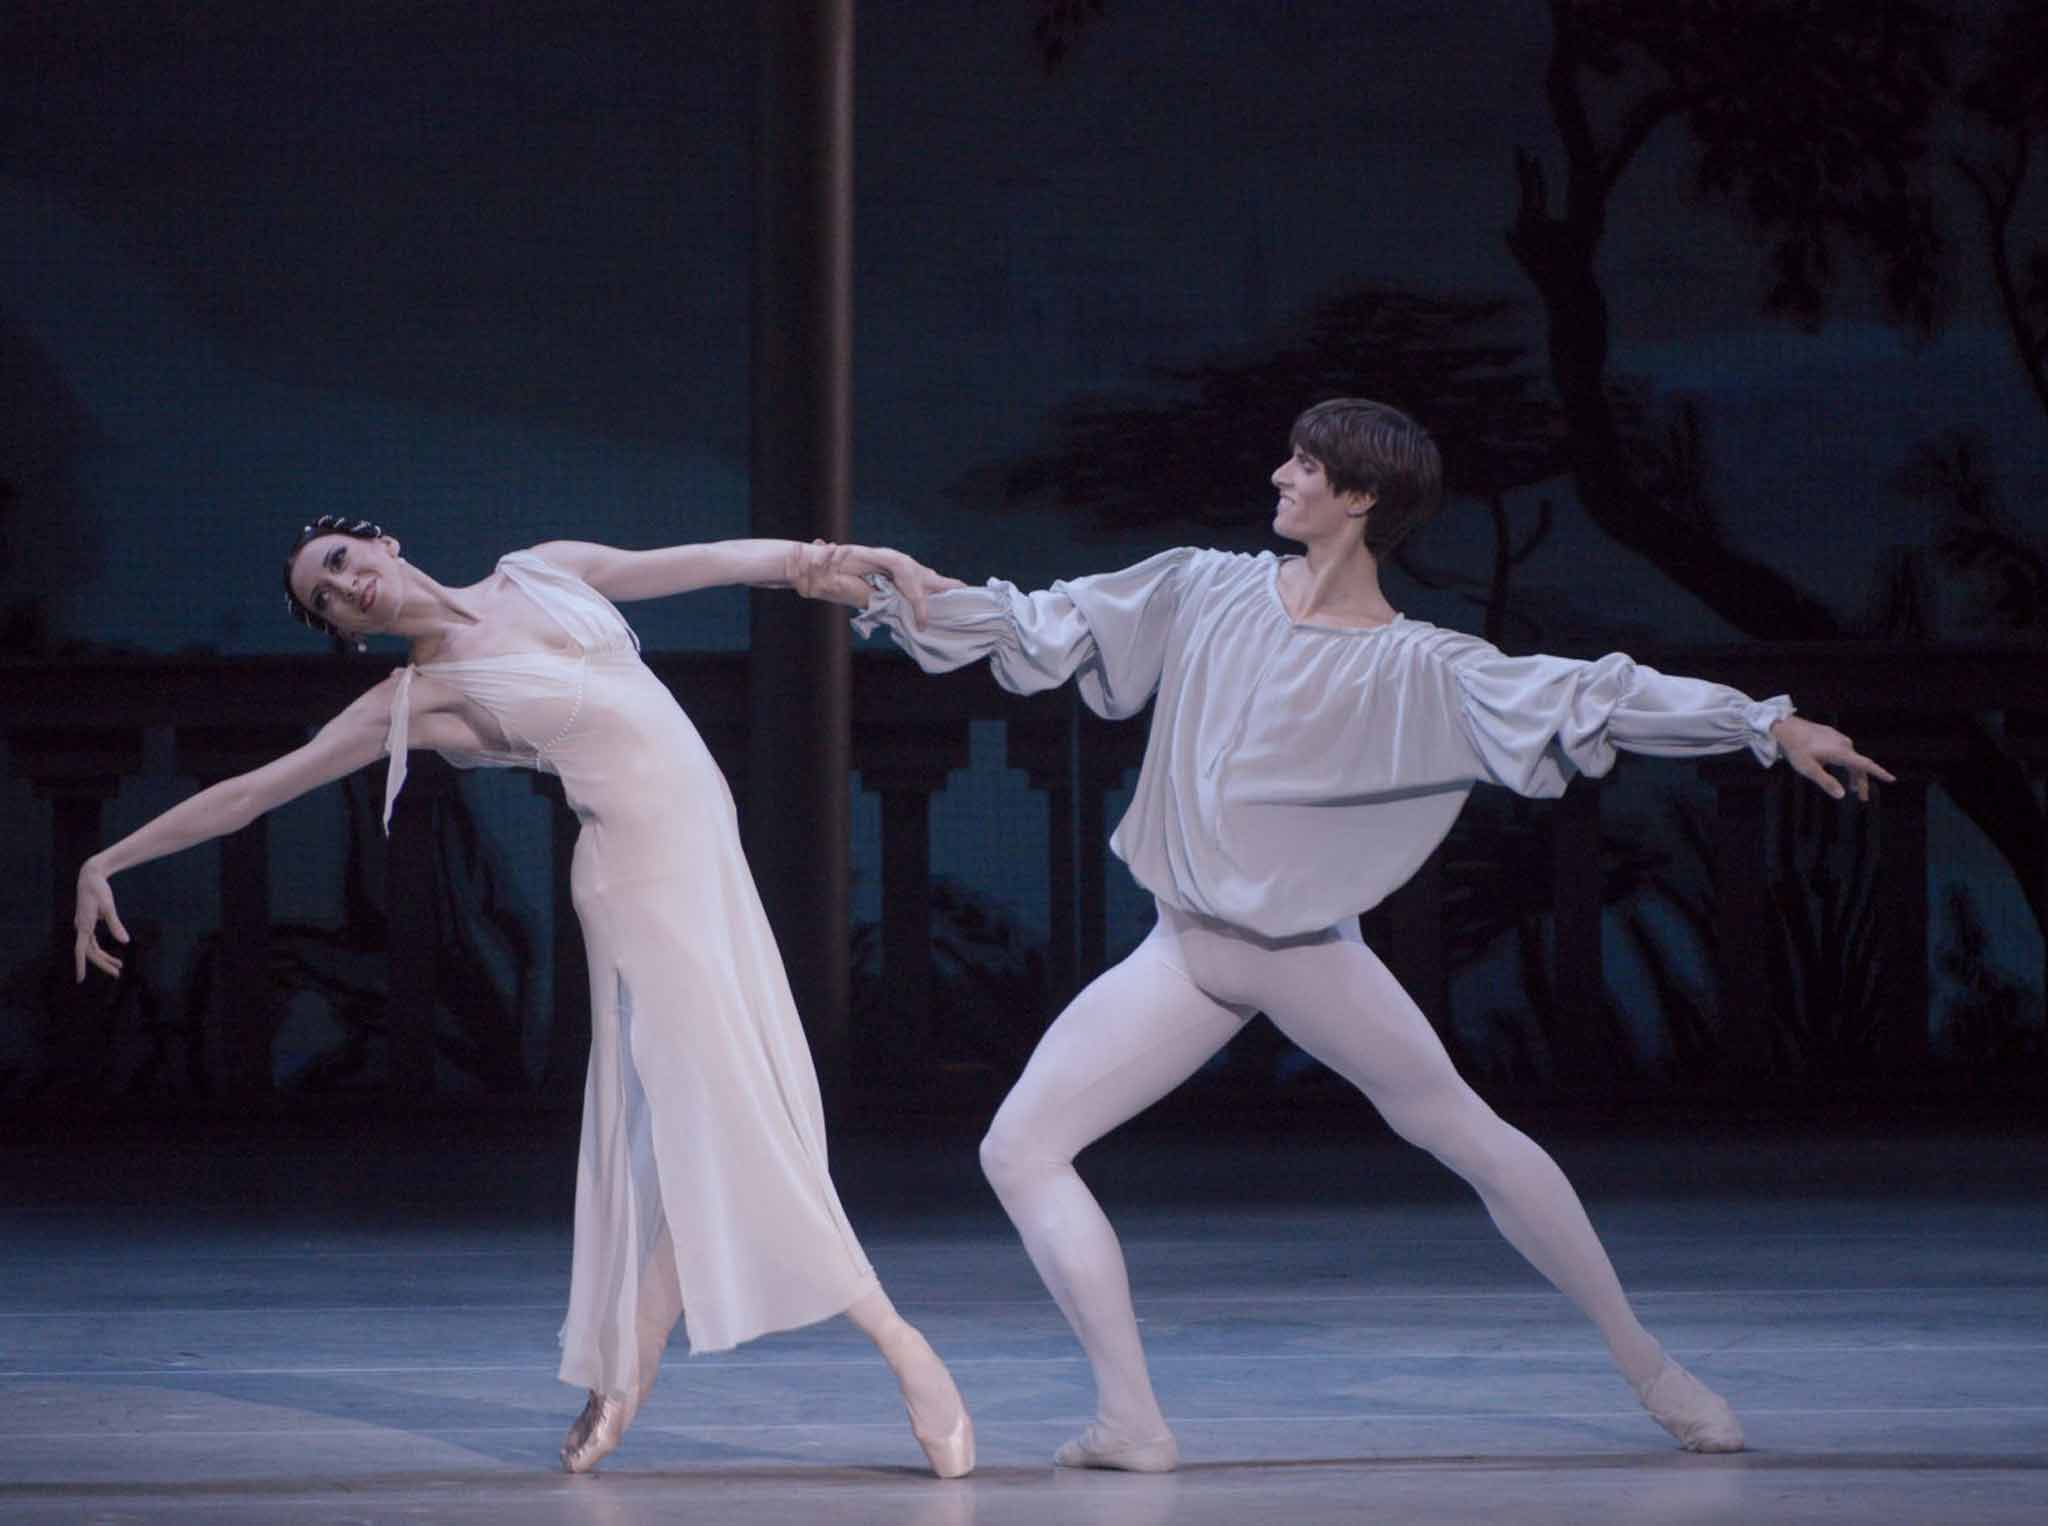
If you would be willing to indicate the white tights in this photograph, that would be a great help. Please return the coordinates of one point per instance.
(1147, 1024)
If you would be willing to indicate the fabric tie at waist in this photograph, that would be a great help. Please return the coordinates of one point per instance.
(397, 741)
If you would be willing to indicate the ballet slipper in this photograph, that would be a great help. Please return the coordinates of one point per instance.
(950, 1455)
(1690, 1411)
(951, 1452)
(1100, 1447)
(596, 1433)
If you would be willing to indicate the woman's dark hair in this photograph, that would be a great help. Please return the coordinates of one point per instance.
(1367, 447)
(326, 524)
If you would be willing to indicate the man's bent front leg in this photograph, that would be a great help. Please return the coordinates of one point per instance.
(1134, 1034)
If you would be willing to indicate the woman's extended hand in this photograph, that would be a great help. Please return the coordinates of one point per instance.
(95, 905)
(1813, 749)
(821, 570)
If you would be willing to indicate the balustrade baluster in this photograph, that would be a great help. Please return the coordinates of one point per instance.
(249, 1017)
(1414, 925)
(1577, 967)
(1108, 751)
(1741, 911)
(1039, 739)
(78, 770)
(413, 923)
(910, 734)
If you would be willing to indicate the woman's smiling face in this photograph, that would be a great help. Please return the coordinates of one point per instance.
(350, 583)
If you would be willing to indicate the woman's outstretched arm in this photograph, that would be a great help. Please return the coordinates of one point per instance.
(350, 741)
(817, 570)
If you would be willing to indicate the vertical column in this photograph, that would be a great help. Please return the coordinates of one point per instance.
(412, 916)
(1108, 750)
(907, 903)
(1741, 912)
(1902, 891)
(797, 826)
(248, 1016)
(1039, 739)
(78, 772)
(2026, 733)
(1415, 940)
(250, 1020)
(910, 736)
(1575, 894)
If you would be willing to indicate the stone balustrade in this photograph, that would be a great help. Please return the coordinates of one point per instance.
(75, 729)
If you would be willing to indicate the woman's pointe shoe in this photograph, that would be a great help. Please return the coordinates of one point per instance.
(951, 1454)
(596, 1433)
(1691, 1411)
(1101, 1447)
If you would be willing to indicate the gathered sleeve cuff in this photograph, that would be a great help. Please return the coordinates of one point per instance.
(398, 741)
(1109, 631)
(1536, 721)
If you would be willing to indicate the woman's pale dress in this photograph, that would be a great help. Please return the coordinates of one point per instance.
(702, 1173)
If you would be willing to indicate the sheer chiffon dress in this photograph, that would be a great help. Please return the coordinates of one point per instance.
(701, 1184)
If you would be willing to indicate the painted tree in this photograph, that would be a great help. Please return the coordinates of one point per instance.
(1196, 445)
(2007, 95)
(1813, 117)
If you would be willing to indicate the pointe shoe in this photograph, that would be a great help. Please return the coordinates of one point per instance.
(596, 1433)
(952, 1454)
(1690, 1411)
(1100, 1447)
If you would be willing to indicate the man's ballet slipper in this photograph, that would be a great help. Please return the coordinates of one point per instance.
(1690, 1411)
(1100, 1447)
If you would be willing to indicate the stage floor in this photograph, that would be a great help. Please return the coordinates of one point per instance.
(342, 1328)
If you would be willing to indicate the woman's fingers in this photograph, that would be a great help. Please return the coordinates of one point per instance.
(89, 952)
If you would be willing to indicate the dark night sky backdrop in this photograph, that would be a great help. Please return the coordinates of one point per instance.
(480, 271)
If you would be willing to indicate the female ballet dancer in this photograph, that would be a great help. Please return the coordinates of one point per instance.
(1310, 746)
(702, 1190)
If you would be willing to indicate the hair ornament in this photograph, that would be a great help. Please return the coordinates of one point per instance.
(326, 524)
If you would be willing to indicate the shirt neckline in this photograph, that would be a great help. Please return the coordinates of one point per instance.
(1280, 602)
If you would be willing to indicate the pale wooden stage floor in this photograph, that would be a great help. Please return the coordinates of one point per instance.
(357, 1322)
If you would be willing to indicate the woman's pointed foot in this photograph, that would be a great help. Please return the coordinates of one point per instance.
(951, 1455)
(1100, 1447)
(938, 1415)
(1690, 1411)
(596, 1433)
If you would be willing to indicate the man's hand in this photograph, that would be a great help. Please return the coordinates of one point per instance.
(840, 574)
(1814, 749)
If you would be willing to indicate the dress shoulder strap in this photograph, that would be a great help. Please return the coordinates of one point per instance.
(591, 620)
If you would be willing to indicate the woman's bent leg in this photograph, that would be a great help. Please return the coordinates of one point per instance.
(938, 1415)
(1134, 1034)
